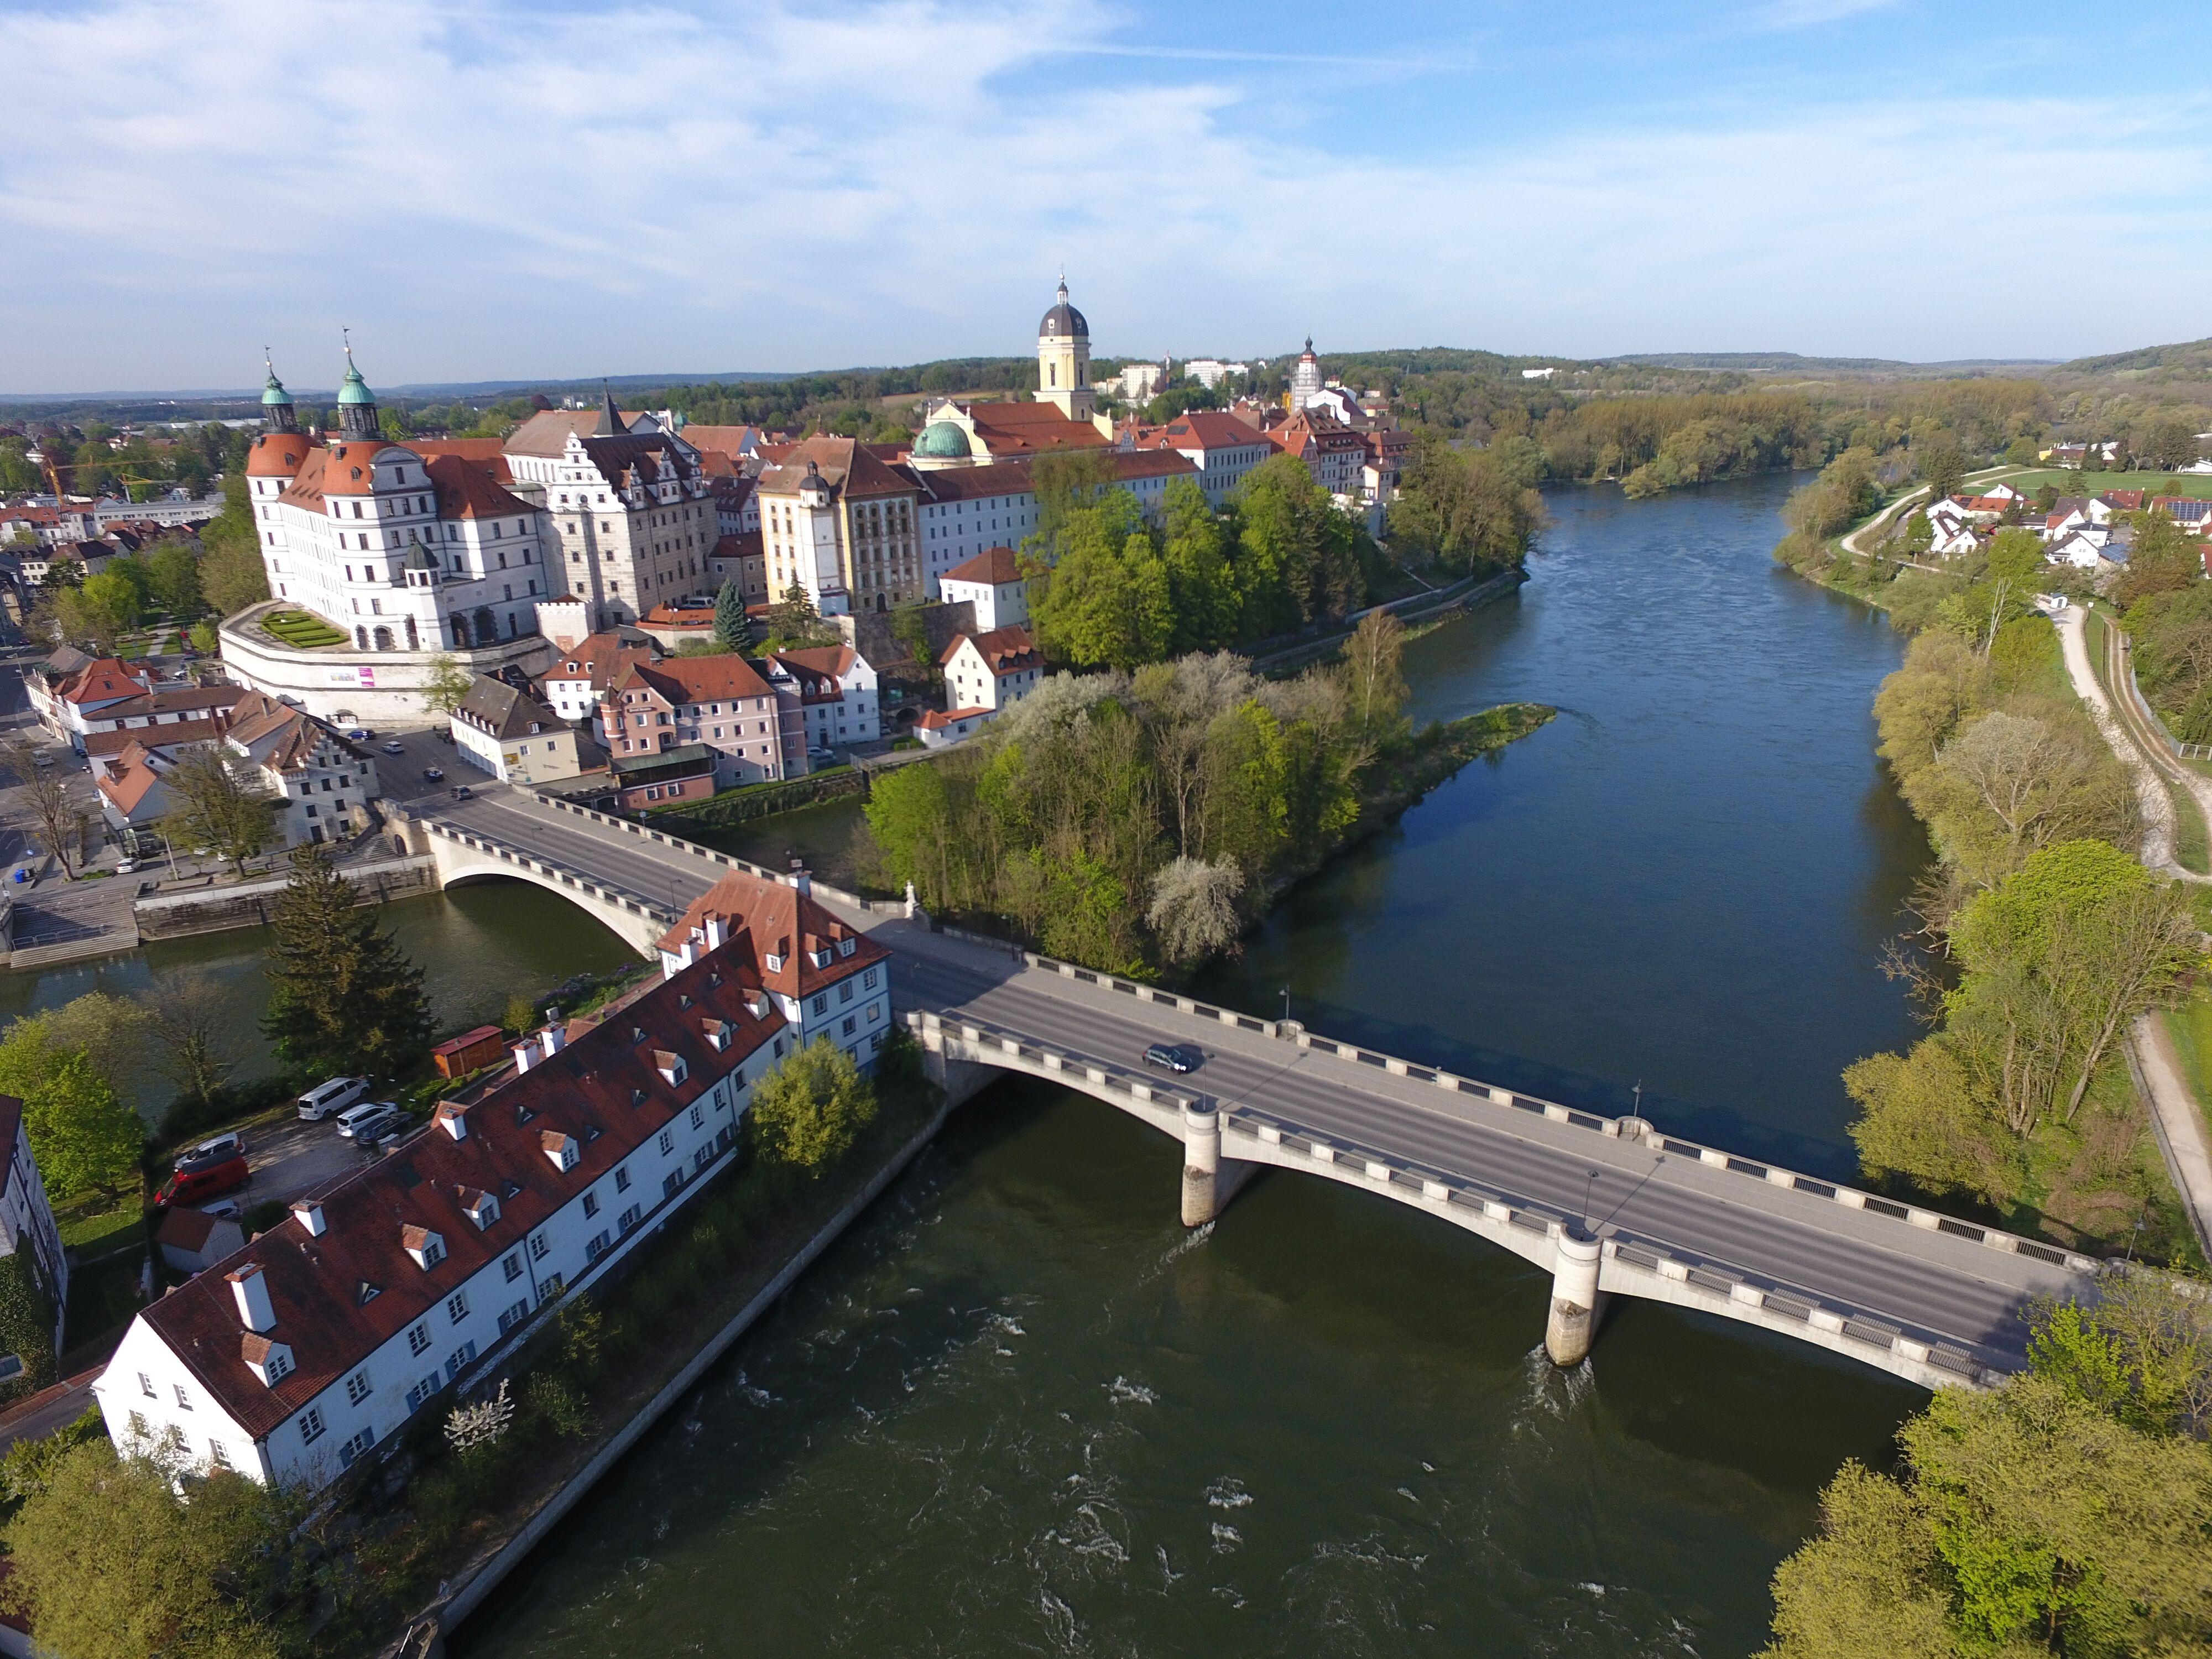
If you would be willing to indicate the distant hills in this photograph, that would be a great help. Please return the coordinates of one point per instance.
(2192, 357)
(1791, 362)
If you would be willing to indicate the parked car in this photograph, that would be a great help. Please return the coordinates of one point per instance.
(190, 1185)
(334, 1096)
(382, 1135)
(359, 734)
(356, 1123)
(1174, 1056)
(224, 1209)
(434, 774)
(461, 792)
(216, 1150)
(394, 748)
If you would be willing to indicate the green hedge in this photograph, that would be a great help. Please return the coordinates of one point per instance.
(27, 1325)
(760, 800)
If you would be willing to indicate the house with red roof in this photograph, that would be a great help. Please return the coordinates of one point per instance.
(70, 691)
(392, 1290)
(984, 674)
(993, 583)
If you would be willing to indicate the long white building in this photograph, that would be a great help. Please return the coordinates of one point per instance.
(296, 1358)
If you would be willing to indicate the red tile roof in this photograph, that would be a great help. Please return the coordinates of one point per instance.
(784, 923)
(279, 454)
(319, 1286)
(994, 565)
(1005, 650)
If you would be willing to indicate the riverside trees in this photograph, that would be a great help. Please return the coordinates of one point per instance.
(343, 997)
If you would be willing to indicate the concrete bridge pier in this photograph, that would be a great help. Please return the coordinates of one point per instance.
(1575, 1302)
(1209, 1181)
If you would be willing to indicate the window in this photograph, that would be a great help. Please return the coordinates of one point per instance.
(183, 1399)
(457, 1306)
(821, 1004)
(358, 1387)
(311, 1424)
(146, 1386)
(138, 1427)
(673, 1184)
(549, 1287)
(421, 1391)
(591, 1205)
(845, 991)
(868, 980)
(510, 1318)
(512, 1266)
(539, 1248)
(622, 1180)
(667, 1142)
(356, 1445)
(419, 1337)
(631, 1217)
(217, 1457)
(699, 1113)
(458, 1357)
(598, 1246)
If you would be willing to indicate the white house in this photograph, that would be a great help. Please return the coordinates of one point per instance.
(2084, 549)
(992, 582)
(837, 690)
(299, 1355)
(1221, 446)
(324, 781)
(990, 671)
(511, 735)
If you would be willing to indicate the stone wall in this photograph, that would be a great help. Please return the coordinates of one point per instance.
(215, 909)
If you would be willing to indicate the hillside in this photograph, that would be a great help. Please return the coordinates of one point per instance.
(2193, 360)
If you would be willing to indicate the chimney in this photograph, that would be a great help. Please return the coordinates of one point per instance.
(452, 1121)
(718, 932)
(800, 878)
(310, 1212)
(525, 1056)
(555, 1037)
(251, 1291)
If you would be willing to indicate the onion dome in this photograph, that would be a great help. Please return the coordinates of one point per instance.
(1063, 321)
(941, 440)
(273, 395)
(354, 390)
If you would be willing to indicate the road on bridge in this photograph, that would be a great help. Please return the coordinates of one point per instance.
(1937, 1286)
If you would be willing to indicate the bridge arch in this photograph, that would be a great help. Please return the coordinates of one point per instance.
(461, 857)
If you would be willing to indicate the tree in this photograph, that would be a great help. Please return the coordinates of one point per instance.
(174, 580)
(910, 628)
(1467, 511)
(56, 822)
(232, 575)
(84, 1136)
(731, 627)
(343, 997)
(1940, 464)
(447, 686)
(1299, 558)
(219, 802)
(190, 1014)
(792, 619)
(2164, 558)
(1193, 908)
(521, 1015)
(1374, 672)
(1201, 585)
(110, 1563)
(806, 1113)
(2170, 443)
(2022, 452)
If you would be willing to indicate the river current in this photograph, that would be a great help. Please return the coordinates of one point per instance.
(1018, 1410)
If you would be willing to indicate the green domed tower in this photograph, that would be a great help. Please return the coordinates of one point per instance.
(356, 403)
(278, 414)
(942, 443)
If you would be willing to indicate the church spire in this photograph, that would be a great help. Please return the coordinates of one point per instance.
(610, 420)
(356, 403)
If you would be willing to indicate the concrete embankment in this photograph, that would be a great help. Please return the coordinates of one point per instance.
(214, 909)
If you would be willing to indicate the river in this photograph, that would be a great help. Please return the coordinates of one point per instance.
(1018, 1411)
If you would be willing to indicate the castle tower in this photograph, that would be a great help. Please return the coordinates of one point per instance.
(1305, 379)
(1064, 359)
(356, 403)
(278, 414)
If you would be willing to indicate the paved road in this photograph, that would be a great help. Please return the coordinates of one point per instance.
(1933, 1284)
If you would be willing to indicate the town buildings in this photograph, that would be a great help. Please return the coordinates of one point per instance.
(502, 730)
(632, 512)
(984, 674)
(296, 1358)
(993, 583)
(27, 1219)
(1064, 360)
(686, 709)
(586, 668)
(840, 524)
(322, 783)
(837, 693)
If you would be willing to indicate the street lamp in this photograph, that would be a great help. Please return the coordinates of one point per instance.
(1286, 1004)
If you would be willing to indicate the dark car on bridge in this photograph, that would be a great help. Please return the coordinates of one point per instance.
(1174, 1056)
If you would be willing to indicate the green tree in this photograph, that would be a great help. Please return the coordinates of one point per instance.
(110, 1563)
(27, 1326)
(174, 580)
(730, 627)
(84, 1137)
(1299, 558)
(2170, 443)
(1940, 463)
(343, 997)
(232, 575)
(447, 686)
(807, 1112)
(1201, 585)
(219, 802)
(1107, 602)
(1467, 511)
(1374, 673)
(2022, 452)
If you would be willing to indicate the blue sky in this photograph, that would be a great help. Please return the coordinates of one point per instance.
(502, 192)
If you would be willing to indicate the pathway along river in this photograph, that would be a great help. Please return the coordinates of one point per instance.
(1019, 1411)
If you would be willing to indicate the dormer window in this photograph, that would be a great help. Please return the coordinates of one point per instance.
(269, 1362)
(775, 960)
(560, 1148)
(718, 1034)
(821, 958)
(428, 1249)
(847, 946)
(480, 1208)
(670, 1066)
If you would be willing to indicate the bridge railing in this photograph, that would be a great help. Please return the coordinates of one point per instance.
(1620, 1129)
(607, 891)
(709, 856)
(1761, 1298)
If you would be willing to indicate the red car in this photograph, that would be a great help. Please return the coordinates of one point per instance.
(191, 1186)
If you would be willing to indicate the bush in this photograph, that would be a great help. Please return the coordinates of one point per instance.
(559, 1405)
(27, 1324)
(806, 1113)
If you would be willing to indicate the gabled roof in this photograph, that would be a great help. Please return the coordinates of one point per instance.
(499, 708)
(1005, 650)
(1205, 429)
(849, 467)
(956, 483)
(545, 435)
(107, 680)
(994, 565)
(349, 468)
(697, 679)
(603, 1090)
(601, 658)
(784, 923)
(466, 490)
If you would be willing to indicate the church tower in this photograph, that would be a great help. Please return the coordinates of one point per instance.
(356, 403)
(1064, 360)
(278, 414)
(1305, 379)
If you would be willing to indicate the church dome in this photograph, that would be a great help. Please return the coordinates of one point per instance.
(941, 440)
(355, 390)
(1064, 321)
(273, 394)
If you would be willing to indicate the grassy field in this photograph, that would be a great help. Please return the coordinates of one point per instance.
(301, 631)
(2069, 483)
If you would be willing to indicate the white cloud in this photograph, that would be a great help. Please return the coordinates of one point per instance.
(1810, 14)
(493, 194)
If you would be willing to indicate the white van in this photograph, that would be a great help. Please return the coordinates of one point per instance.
(359, 1122)
(324, 1098)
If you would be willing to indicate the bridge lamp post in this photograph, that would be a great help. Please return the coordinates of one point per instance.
(1286, 1004)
